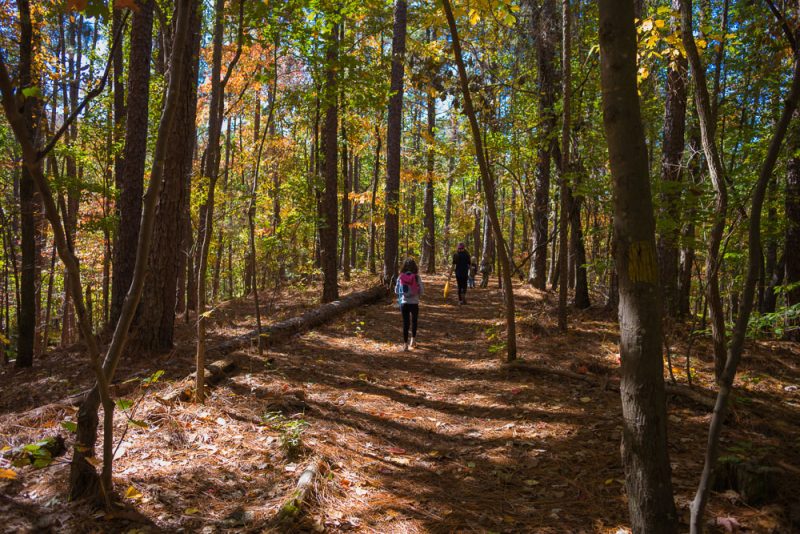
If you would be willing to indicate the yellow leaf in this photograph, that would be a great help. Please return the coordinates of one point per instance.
(474, 17)
(95, 461)
(8, 474)
(701, 43)
(133, 493)
(191, 511)
(660, 23)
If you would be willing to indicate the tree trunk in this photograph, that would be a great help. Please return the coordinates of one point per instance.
(211, 171)
(671, 160)
(372, 227)
(394, 132)
(130, 183)
(26, 313)
(546, 32)
(578, 251)
(347, 179)
(356, 213)
(429, 241)
(488, 188)
(792, 236)
(330, 209)
(154, 327)
(717, 173)
(563, 220)
(644, 436)
(688, 230)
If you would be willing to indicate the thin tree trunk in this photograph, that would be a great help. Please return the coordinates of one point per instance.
(372, 227)
(211, 171)
(792, 234)
(736, 346)
(26, 305)
(429, 241)
(488, 188)
(563, 220)
(671, 161)
(716, 171)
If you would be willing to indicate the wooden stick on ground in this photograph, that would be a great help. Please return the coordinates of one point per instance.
(293, 506)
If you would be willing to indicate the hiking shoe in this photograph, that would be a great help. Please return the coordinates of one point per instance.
(405, 347)
(412, 343)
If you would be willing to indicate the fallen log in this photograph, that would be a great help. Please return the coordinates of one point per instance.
(271, 335)
(283, 330)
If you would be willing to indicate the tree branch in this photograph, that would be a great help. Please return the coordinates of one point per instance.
(89, 96)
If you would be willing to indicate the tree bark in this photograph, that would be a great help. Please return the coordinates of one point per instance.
(26, 313)
(371, 264)
(155, 322)
(130, 183)
(564, 193)
(429, 241)
(671, 160)
(644, 437)
(546, 32)
(330, 209)
(792, 235)
(394, 132)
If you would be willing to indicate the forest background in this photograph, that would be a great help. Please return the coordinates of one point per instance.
(174, 156)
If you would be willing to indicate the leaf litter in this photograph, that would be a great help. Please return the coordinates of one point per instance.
(443, 438)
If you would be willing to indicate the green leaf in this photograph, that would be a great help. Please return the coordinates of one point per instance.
(138, 423)
(152, 379)
(123, 404)
(31, 92)
(70, 426)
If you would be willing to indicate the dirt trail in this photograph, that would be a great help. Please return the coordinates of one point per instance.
(445, 437)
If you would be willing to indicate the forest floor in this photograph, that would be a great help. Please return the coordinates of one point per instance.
(444, 438)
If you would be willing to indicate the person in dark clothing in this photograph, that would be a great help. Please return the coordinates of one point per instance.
(461, 263)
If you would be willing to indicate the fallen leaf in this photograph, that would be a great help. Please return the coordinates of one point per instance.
(8, 474)
(191, 511)
(132, 493)
(396, 450)
(586, 399)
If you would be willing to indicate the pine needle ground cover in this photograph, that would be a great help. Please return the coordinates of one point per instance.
(444, 438)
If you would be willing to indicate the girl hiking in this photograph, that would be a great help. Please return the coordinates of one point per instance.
(408, 290)
(461, 264)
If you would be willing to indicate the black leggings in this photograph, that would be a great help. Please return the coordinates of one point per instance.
(410, 315)
(461, 279)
